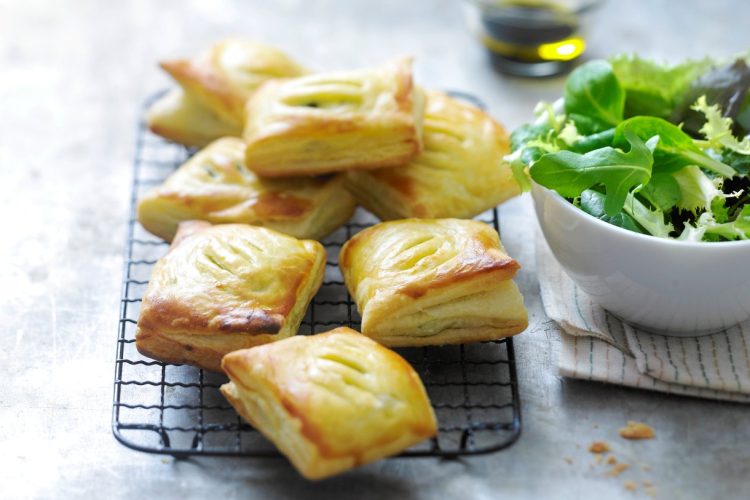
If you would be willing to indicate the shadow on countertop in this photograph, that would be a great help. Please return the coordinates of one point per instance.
(276, 478)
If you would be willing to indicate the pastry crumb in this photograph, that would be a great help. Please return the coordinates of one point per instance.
(611, 460)
(647, 483)
(630, 485)
(637, 430)
(568, 460)
(650, 491)
(617, 469)
(599, 447)
(646, 468)
(599, 459)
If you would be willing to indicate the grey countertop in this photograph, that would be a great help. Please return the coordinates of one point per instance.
(73, 76)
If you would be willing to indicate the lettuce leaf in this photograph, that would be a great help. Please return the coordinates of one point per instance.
(675, 148)
(594, 98)
(739, 162)
(587, 143)
(570, 173)
(617, 148)
(655, 89)
(592, 202)
(662, 191)
(726, 86)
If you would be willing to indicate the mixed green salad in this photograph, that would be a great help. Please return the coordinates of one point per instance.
(656, 149)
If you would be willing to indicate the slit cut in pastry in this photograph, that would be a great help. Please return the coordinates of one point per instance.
(460, 172)
(433, 281)
(329, 402)
(214, 185)
(223, 288)
(214, 86)
(330, 122)
(225, 75)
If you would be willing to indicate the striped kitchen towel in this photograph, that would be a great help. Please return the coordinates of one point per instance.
(598, 346)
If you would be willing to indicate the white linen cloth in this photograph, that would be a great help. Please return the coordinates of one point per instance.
(598, 346)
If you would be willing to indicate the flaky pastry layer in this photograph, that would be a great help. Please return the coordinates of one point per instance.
(330, 401)
(223, 288)
(214, 185)
(330, 122)
(181, 118)
(226, 74)
(432, 281)
(460, 172)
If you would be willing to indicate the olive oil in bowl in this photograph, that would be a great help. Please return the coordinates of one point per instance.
(531, 37)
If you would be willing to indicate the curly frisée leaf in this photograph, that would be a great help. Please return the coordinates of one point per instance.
(718, 129)
(570, 173)
(546, 113)
(528, 132)
(653, 148)
(523, 142)
(697, 190)
(725, 85)
(739, 229)
(719, 209)
(518, 169)
(569, 134)
(651, 220)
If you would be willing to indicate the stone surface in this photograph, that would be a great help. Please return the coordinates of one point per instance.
(73, 76)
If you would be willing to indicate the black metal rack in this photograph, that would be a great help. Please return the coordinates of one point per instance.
(178, 410)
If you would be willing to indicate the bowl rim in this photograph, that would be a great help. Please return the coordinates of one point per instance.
(655, 240)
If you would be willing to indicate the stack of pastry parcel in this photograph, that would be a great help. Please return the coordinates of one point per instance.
(243, 213)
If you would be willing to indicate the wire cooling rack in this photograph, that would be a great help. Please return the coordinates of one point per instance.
(178, 410)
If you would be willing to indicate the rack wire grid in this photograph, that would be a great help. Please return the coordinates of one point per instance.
(178, 410)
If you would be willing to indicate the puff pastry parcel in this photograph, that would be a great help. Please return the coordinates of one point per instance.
(214, 87)
(223, 288)
(181, 118)
(336, 121)
(460, 173)
(214, 185)
(433, 281)
(331, 401)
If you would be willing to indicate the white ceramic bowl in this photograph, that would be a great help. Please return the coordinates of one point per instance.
(665, 286)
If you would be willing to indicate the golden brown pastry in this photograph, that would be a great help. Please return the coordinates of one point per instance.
(460, 172)
(223, 288)
(214, 185)
(331, 401)
(433, 281)
(180, 118)
(336, 121)
(225, 75)
(214, 86)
